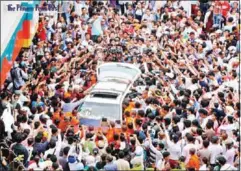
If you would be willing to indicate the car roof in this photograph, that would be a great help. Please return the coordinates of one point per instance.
(117, 87)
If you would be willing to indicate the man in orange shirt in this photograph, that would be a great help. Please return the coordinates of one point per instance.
(64, 123)
(193, 162)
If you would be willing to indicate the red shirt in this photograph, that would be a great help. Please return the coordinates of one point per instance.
(129, 30)
(41, 32)
(224, 7)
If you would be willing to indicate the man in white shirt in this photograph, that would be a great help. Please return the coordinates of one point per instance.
(66, 8)
(190, 144)
(78, 6)
(138, 159)
(121, 163)
(173, 147)
(7, 116)
(230, 153)
(187, 125)
(215, 148)
(190, 114)
(148, 16)
(224, 165)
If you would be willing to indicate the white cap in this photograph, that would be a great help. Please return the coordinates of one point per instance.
(219, 31)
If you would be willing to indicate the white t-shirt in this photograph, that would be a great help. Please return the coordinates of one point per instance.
(96, 27)
(203, 167)
(215, 149)
(7, 118)
(229, 154)
(191, 117)
(228, 128)
(186, 151)
(174, 149)
(78, 8)
(227, 167)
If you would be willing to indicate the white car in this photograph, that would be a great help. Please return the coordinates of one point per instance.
(106, 97)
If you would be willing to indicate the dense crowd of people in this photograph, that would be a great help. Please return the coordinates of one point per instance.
(182, 113)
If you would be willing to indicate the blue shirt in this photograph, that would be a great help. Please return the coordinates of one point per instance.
(110, 167)
(96, 27)
(35, 104)
(40, 147)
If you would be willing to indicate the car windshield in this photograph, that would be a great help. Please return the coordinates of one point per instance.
(98, 111)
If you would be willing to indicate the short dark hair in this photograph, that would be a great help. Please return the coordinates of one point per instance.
(203, 111)
(187, 123)
(209, 124)
(53, 158)
(66, 150)
(189, 137)
(18, 137)
(30, 141)
(165, 154)
(166, 107)
(192, 151)
(52, 144)
(121, 154)
(109, 158)
(205, 143)
(55, 165)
